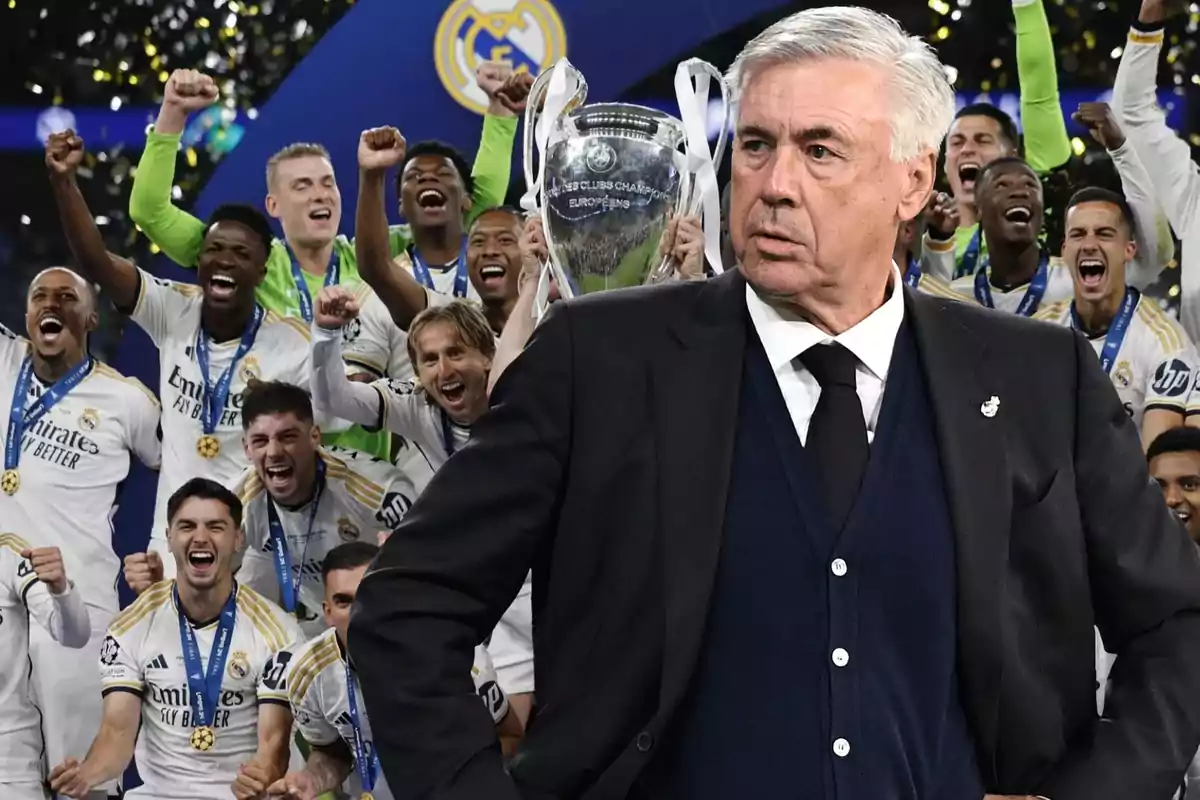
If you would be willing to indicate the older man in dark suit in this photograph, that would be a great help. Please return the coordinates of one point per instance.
(798, 531)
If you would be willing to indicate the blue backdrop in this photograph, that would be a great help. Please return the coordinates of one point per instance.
(395, 63)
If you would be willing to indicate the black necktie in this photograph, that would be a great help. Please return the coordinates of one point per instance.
(837, 434)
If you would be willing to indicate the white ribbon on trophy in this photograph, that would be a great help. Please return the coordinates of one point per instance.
(692, 84)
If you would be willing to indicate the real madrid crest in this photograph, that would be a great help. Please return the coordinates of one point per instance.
(89, 419)
(1123, 374)
(250, 370)
(347, 531)
(239, 665)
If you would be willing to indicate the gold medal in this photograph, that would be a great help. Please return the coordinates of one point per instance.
(367, 796)
(208, 446)
(10, 481)
(203, 739)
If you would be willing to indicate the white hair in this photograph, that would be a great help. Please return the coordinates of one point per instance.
(922, 100)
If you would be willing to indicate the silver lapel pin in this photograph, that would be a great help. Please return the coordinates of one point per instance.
(989, 408)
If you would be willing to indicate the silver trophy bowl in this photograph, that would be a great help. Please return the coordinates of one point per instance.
(613, 176)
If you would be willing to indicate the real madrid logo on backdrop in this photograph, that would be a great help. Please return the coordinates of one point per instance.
(526, 33)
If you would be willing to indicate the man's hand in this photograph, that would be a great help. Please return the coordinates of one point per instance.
(515, 91)
(294, 786)
(534, 254)
(48, 565)
(252, 781)
(380, 149)
(143, 570)
(941, 214)
(1155, 11)
(188, 90)
(64, 154)
(1101, 124)
(68, 780)
(336, 305)
(683, 242)
(490, 77)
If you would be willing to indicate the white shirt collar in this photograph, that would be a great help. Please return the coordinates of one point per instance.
(785, 335)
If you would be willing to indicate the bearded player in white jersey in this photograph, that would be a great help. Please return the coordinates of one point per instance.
(213, 339)
(300, 501)
(328, 704)
(33, 587)
(185, 672)
(1144, 351)
(69, 426)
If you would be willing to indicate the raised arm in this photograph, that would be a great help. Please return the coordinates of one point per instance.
(175, 231)
(521, 323)
(333, 393)
(379, 150)
(116, 276)
(111, 750)
(492, 169)
(1047, 145)
(52, 600)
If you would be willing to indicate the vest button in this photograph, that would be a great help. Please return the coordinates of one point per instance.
(644, 742)
(841, 748)
(840, 657)
(838, 567)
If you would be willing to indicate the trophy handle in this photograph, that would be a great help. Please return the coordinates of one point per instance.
(533, 138)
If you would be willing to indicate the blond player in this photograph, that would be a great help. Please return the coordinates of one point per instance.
(1144, 351)
(185, 672)
(69, 428)
(328, 704)
(33, 586)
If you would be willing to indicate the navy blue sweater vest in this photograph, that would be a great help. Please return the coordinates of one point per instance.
(828, 666)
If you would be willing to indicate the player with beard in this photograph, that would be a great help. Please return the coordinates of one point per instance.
(1144, 351)
(70, 427)
(1174, 458)
(300, 501)
(186, 675)
(1018, 276)
(213, 339)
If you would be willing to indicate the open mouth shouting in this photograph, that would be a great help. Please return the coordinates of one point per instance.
(1183, 514)
(431, 201)
(1019, 216)
(968, 171)
(492, 274)
(201, 560)
(222, 286)
(50, 328)
(1091, 272)
(321, 214)
(279, 477)
(453, 391)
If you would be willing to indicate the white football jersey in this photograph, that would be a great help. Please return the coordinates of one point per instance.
(143, 654)
(73, 460)
(23, 598)
(373, 342)
(442, 279)
(169, 312)
(1059, 287)
(1156, 364)
(362, 496)
(316, 684)
(406, 410)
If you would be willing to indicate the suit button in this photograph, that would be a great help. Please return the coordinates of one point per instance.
(644, 741)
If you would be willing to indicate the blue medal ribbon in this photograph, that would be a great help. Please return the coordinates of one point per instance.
(421, 271)
(1033, 294)
(289, 587)
(366, 766)
(213, 397)
(204, 686)
(20, 417)
(969, 263)
(1116, 331)
(447, 433)
(333, 276)
(912, 274)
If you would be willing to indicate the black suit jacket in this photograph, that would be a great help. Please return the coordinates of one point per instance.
(604, 464)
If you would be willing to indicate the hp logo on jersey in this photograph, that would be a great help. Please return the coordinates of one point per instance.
(1172, 378)
(526, 33)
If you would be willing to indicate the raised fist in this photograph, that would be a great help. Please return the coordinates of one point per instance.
(143, 570)
(515, 91)
(941, 214)
(189, 90)
(491, 75)
(47, 563)
(380, 149)
(64, 152)
(1101, 123)
(336, 305)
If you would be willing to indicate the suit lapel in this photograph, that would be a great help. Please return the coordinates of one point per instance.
(696, 384)
(978, 488)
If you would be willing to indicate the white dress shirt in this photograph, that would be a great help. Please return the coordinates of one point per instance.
(785, 336)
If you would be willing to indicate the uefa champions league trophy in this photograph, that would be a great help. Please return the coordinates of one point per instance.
(611, 175)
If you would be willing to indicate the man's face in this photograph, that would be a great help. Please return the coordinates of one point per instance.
(1097, 247)
(283, 450)
(1010, 204)
(60, 312)
(816, 199)
(204, 542)
(973, 142)
(233, 262)
(1179, 476)
(341, 587)
(494, 255)
(454, 375)
(431, 192)
(304, 197)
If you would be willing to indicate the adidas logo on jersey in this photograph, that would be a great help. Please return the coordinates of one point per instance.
(344, 719)
(159, 662)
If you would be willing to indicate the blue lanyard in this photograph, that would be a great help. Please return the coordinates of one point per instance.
(447, 433)
(421, 271)
(1033, 294)
(212, 398)
(333, 276)
(912, 275)
(1116, 331)
(204, 686)
(289, 587)
(969, 262)
(19, 418)
(367, 767)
